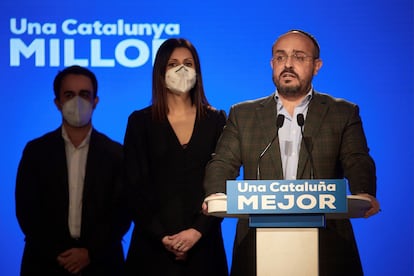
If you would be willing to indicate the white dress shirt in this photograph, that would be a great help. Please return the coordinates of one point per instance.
(290, 136)
(76, 163)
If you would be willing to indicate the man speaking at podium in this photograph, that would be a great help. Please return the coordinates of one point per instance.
(296, 133)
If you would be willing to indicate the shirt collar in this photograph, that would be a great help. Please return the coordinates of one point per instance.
(84, 143)
(305, 100)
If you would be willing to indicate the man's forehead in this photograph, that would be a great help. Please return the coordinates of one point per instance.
(293, 39)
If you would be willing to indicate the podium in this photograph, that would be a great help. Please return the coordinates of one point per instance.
(287, 215)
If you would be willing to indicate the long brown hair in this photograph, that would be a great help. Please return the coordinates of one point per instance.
(159, 90)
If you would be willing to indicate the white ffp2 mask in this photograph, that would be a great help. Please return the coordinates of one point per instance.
(77, 111)
(180, 79)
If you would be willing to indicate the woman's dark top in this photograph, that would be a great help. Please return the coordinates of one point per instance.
(165, 193)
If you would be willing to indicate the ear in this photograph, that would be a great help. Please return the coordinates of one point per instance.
(271, 63)
(318, 65)
(58, 104)
(95, 102)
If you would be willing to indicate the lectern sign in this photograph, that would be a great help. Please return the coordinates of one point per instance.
(286, 196)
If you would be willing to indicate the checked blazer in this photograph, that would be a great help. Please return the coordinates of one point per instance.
(339, 150)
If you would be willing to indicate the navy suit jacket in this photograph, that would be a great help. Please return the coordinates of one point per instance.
(42, 201)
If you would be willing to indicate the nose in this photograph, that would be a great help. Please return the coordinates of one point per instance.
(289, 61)
(181, 67)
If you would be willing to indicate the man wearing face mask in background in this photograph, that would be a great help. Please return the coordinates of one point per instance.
(68, 189)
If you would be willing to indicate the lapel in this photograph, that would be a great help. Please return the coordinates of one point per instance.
(58, 170)
(317, 110)
(92, 164)
(267, 114)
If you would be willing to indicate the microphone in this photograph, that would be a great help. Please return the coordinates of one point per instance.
(308, 144)
(279, 123)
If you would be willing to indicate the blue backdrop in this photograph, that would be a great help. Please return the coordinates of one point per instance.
(366, 46)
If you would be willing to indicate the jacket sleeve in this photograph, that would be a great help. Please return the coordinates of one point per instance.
(204, 223)
(40, 196)
(358, 166)
(226, 160)
(140, 193)
(106, 219)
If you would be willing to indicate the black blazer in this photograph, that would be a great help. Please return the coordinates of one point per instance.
(42, 202)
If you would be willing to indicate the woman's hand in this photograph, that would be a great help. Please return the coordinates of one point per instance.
(182, 242)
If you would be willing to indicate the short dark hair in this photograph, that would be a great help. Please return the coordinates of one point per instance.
(312, 38)
(74, 70)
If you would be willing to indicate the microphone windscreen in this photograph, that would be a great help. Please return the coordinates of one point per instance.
(280, 120)
(300, 119)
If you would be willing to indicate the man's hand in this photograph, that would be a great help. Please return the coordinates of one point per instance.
(375, 206)
(204, 206)
(74, 259)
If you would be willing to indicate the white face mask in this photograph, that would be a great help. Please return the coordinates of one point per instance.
(77, 111)
(180, 79)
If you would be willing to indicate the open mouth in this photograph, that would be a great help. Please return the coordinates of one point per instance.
(288, 75)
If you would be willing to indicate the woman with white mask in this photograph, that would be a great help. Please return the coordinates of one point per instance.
(167, 146)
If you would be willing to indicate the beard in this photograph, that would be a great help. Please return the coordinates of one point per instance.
(290, 91)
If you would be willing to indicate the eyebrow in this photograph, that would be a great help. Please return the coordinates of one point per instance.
(174, 59)
(294, 51)
(80, 91)
(85, 91)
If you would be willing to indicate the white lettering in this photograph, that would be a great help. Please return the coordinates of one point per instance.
(172, 29)
(289, 204)
(37, 49)
(250, 188)
(13, 26)
(274, 187)
(268, 202)
(69, 57)
(331, 187)
(327, 201)
(242, 188)
(128, 53)
(303, 199)
(121, 48)
(71, 27)
(110, 29)
(302, 187)
(31, 28)
(67, 27)
(157, 30)
(84, 29)
(96, 59)
(17, 47)
(242, 201)
(54, 52)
